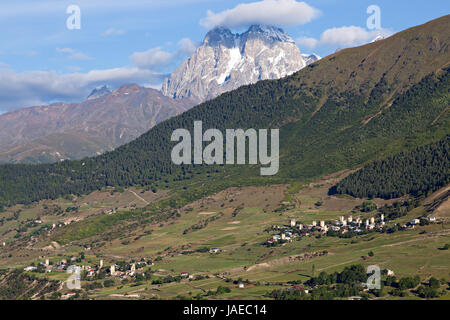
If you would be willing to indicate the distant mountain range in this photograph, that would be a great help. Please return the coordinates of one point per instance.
(72, 131)
(225, 61)
(352, 107)
(109, 119)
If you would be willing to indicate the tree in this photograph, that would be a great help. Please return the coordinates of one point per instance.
(408, 282)
(427, 292)
(390, 281)
(368, 206)
(434, 283)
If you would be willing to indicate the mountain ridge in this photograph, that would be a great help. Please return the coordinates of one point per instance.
(85, 129)
(351, 107)
(227, 60)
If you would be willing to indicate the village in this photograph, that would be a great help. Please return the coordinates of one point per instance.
(344, 227)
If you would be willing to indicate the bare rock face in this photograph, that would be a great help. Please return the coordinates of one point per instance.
(310, 58)
(226, 61)
(101, 123)
(99, 92)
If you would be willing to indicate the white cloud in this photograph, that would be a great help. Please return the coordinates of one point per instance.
(113, 32)
(25, 89)
(187, 46)
(347, 36)
(154, 57)
(307, 42)
(73, 54)
(270, 12)
(158, 58)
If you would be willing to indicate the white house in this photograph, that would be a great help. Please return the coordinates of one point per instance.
(30, 268)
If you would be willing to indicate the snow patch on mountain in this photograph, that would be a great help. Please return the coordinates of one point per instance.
(226, 61)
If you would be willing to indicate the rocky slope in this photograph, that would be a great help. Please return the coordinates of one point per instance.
(350, 108)
(73, 131)
(99, 92)
(226, 61)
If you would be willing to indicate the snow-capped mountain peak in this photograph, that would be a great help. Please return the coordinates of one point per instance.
(378, 38)
(218, 36)
(268, 32)
(310, 58)
(99, 92)
(227, 60)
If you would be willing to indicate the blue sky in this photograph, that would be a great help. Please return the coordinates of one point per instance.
(42, 61)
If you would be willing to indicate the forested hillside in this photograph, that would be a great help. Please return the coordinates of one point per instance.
(354, 106)
(418, 173)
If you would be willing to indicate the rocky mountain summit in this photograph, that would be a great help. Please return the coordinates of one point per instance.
(226, 61)
(99, 92)
(73, 131)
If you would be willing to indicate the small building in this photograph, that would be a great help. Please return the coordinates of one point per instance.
(30, 268)
(185, 274)
(335, 228)
(415, 221)
(241, 286)
(432, 219)
(276, 237)
(390, 273)
(214, 250)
